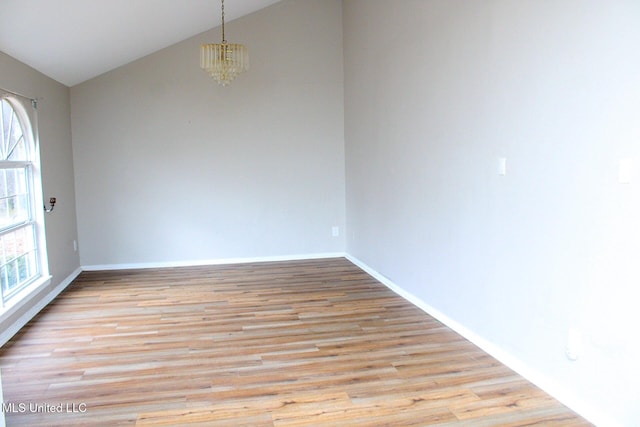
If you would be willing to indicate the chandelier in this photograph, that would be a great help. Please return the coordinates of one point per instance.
(224, 61)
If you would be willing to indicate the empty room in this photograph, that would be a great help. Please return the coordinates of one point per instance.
(320, 212)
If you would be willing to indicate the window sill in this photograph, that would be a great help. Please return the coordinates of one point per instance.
(23, 297)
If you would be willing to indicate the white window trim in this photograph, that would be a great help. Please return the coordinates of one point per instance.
(23, 297)
(29, 125)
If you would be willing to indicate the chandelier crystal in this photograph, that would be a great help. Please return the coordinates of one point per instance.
(224, 61)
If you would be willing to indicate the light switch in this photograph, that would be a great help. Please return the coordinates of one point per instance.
(624, 171)
(502, 166)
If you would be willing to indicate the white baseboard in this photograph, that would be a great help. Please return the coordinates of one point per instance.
(194, 263)
(30, 314)
(542, 381)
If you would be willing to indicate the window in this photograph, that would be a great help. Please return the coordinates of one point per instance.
(21, 261)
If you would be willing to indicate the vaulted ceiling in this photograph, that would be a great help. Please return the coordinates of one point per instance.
(74, 40)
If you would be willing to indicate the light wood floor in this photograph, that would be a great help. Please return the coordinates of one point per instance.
(284, 344)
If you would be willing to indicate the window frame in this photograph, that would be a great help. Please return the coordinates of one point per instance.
(28, 124)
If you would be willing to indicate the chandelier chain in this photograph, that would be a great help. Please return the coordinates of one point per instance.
(224, 40)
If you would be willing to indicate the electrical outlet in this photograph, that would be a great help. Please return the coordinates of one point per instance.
(335, 231)
(574, 344)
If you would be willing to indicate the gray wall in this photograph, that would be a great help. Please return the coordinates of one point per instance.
(435, 93)
(171, 167)
(57, 169)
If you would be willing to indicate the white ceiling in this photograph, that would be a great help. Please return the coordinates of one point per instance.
(74, 40)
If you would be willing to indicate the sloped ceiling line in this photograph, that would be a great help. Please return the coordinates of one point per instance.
(72, 41)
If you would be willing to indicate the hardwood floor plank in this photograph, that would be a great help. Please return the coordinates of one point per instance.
(299, 343)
